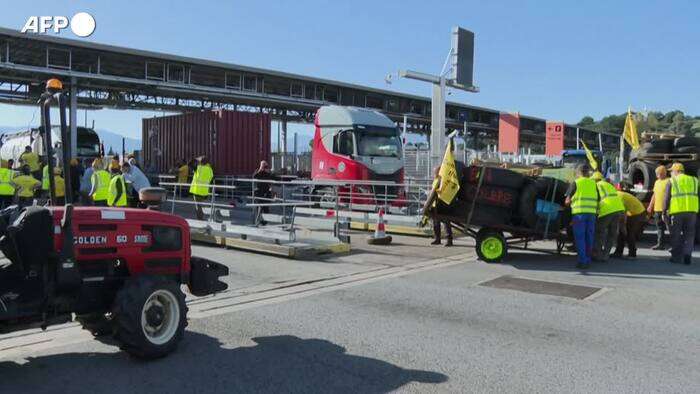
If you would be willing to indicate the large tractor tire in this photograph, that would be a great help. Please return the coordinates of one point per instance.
(496, 177)
(491, 245)
(686, 141)
(687, 149)
(641, 173)
(150, 316)
(548, 189)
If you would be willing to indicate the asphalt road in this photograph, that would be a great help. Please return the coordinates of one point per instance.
(408, 318)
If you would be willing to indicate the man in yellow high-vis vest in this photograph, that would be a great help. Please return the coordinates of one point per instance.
(582, 196)
(610, 212)
(199, 188)
(7, 189)
(25, 186)
(117, 191)
(100, 184)
(681, 206)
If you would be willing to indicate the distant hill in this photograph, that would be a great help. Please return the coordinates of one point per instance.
(654, 121)
(109, 138)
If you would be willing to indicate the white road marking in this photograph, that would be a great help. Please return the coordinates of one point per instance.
(20, 344)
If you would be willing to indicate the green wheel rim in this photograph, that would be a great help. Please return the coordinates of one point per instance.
(492, 248)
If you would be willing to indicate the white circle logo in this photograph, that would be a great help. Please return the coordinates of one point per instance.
(82, 24)
(341, 167)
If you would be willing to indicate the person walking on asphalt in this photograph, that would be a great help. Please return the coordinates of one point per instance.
(631, 225)
(656, 206)
(681, 206)
(610, 211)
(263, 189)
(439, 205)
(199, 188)
(582, 196)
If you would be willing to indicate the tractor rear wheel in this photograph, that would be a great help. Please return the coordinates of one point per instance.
(149, 317)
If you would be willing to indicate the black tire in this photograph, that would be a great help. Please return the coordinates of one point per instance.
(96, 323)
(485, 214)
(687, 149)
(548, 189)
(642, 173)
(686, 141)
(663, 145)
(496, 177)
(129, 306)
(491, 245)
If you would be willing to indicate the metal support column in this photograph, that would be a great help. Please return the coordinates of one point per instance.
(437, 123)
(284, 139)
(73, 118)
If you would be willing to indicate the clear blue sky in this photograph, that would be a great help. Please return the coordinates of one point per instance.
(552, 59)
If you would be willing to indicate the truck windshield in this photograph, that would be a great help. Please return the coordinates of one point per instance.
(383, 142)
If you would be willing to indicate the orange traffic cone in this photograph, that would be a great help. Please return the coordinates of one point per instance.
(379, 237)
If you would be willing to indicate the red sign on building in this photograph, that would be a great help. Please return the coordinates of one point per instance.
(554, 141)
(509, 133)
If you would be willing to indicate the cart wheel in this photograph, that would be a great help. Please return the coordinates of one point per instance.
(491, 245)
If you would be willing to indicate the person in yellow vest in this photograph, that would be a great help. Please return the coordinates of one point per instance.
(582, 196)
(32, 160)
(60, 186)
(656, 206)
(45, 180)
(100, 184)
(25, 186)
(199, 189)
(7, 189)
(117, 190)
(681, 207)
(183, 173)
(610, 211)
(631, 225)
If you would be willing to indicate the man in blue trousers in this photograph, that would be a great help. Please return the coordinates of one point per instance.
(582, 196)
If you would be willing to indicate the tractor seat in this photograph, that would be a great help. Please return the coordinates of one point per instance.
(28, 241)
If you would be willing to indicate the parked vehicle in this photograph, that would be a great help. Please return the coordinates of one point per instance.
(12, 145)
(357, 144)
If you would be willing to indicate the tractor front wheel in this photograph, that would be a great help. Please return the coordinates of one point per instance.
(149, 317)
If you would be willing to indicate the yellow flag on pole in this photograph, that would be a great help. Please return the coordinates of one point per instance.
(630, 131)
(589, 155)
(448, 175)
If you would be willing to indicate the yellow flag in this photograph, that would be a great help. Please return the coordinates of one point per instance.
(589, 155)
(630, 132)
(448, 175)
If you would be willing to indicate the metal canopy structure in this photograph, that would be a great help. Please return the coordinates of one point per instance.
(106, 76)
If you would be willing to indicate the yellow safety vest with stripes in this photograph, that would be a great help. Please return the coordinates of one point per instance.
(6, 188)
(100, 180)
(585, 200)
(112, 201)
(684, 194)
(201, 180)
(609, 202)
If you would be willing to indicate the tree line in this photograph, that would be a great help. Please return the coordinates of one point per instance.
(675, 122)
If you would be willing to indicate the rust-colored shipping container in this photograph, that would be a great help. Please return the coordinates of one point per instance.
(234, 142)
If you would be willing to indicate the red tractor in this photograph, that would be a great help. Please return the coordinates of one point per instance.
(117, 271)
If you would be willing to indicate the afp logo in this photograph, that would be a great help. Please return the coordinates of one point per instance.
(82, 24)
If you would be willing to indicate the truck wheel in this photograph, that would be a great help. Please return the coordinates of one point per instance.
(97, 323)
(491, 246)
(150, 316)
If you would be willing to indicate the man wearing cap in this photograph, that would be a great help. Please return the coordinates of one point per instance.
(582, 196)
(610, 211)
(656, 206)
(681, 206)
(631, 225)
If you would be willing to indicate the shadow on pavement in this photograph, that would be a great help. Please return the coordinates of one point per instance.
(201, 365)
(643, 265)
